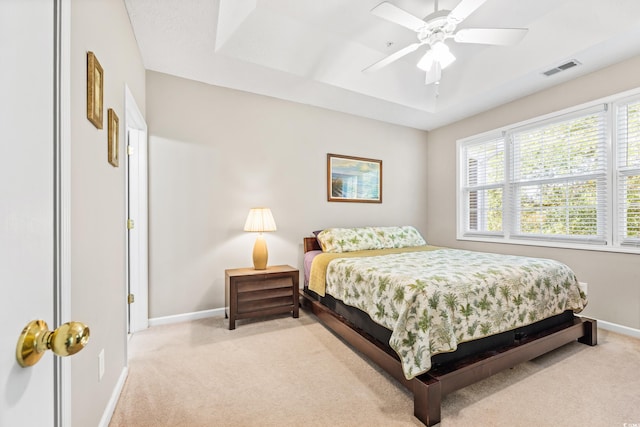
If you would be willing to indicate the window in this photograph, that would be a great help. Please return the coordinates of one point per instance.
(484, 186)
(628, 171)
(559, 178)
(569, 178)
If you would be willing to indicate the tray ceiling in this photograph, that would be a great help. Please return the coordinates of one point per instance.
(313, 52)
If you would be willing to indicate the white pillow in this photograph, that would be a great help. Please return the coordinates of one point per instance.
(367, 238)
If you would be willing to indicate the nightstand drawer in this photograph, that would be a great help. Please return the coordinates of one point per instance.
(264, 304)
(264, 294)
(251, 285)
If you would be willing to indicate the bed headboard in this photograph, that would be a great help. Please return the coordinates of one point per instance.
(311, 244)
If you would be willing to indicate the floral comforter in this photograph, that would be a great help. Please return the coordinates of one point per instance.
(433, 300)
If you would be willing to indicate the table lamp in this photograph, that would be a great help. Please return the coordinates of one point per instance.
(260, 220)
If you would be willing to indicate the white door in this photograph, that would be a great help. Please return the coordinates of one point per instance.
(137, 249)
(29, 208)
(133, 222)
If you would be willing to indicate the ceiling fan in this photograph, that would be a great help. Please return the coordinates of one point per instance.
(435, 29)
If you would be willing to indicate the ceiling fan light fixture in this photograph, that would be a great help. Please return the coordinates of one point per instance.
(439, 53)
(442, 54)
(427, 60)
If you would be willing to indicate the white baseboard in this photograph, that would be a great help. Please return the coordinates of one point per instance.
(624, 330)
(177, 318)
(113, 401)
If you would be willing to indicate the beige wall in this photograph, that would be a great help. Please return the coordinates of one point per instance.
(613, 278)
(215, 152)
(98, 202)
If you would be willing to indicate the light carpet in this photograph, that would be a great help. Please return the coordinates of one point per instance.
(282, 371)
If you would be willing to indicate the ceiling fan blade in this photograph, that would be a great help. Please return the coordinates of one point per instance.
(394, 56)
(386, 10)
(497, 36)
(464, 9)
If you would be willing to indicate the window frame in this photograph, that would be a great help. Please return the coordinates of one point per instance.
(620, 170)
(462, 224)
(612, 241)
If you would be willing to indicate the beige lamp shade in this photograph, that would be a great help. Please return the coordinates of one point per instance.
(260, 220)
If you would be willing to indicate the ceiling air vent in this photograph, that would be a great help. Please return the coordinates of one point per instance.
(562, 67)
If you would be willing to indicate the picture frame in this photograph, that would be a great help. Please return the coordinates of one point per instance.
(95, 90)
(113, 138)
(353, 179)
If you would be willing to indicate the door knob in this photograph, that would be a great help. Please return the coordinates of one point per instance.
(36, 338)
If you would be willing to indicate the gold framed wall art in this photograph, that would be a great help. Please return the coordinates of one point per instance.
(113, 138)
(353, 179)
(95, 90)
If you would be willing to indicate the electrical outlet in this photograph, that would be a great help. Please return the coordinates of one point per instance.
(100, 364)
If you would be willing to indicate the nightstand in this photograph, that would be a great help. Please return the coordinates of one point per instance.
(256, 293)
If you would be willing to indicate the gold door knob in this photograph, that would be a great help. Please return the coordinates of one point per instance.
(36, 338)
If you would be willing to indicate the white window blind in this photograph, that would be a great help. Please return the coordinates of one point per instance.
(570, 179)
(559, 178)
(628, 171)
(484, 165)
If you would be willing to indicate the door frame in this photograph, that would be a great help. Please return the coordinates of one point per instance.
(62, 201)
(138, 312)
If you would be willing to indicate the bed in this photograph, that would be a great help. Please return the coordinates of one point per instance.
(439, 319)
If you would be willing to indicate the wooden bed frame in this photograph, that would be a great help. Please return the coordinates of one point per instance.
(429, 388)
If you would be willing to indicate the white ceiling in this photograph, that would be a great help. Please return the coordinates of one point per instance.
(313, 51)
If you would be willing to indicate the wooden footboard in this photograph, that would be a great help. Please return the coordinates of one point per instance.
(428, 389)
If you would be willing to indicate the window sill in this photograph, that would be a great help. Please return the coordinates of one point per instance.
(549, 244)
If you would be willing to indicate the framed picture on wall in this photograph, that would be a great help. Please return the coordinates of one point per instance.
(113, 140)
(95, 90)
(353, 179)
